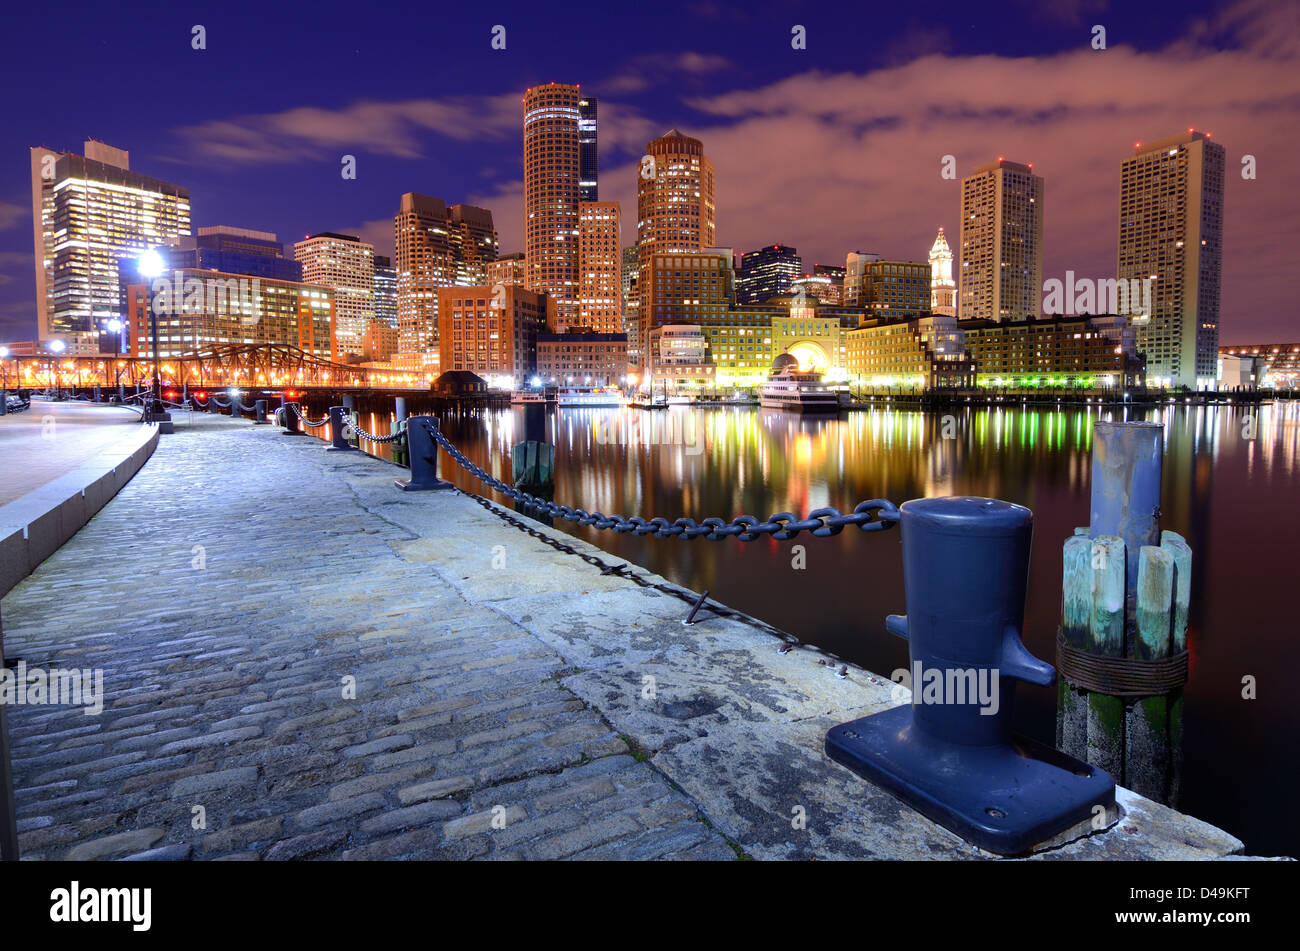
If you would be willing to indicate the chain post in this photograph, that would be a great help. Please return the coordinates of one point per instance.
(422, 443)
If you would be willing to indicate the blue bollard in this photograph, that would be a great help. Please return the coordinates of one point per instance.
(423, 450)
(951, 754)
(338, 442)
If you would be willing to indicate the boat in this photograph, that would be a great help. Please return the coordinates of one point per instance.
(583, 397)
(796, 390)
(524, 397)
(679, 401)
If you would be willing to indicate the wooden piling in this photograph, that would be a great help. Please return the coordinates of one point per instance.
(1106, 637)
(1177, 546)
(1147, 755)
(1076, 627)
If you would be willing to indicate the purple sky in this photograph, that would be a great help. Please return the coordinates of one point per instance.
(830, 149)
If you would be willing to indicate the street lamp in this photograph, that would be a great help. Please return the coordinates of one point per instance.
(151, 265)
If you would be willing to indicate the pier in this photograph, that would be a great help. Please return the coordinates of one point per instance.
(301, 661)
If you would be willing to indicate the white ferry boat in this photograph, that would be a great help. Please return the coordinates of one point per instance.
(524, 397)
(679, 401)
(586, 397)
(797, 390)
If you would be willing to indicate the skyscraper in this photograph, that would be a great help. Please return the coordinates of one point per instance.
(385, 291)
(600, 264)
(767, 273)
(346, 264)
(675, 212)
(89, 212)
(943, 290)
(588, 161)
(1001, 243)
(551, 186)
(436, 247)
(1171, 234)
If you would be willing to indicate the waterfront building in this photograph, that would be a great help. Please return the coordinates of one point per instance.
(1171, 233)
(552, 161)
(508, 270)
(437, 246)
(88, 213)
(492, 331)
(198, 310)
(943, 289)
(1001, 243)
(1055, 351)
(855, 266)
(922, 353)
(767, 273)
(583, 357)
(346, 264)
(675, 213)
(600, 264)
(680, 358)
(1276, 364)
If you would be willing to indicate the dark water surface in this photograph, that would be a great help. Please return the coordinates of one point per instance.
(1233, 498)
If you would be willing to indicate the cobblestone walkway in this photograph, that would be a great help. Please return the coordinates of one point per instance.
(226, 593)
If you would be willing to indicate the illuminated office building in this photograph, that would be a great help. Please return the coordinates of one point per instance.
(552, 159)
(588, 157)
(88, 213)
(1001, 243)
(600, 264)
(767, 273)
(1171, 233)
(437, 246)
(346, 264)
(675, 213)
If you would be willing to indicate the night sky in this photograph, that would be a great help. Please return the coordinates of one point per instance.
(834, 148)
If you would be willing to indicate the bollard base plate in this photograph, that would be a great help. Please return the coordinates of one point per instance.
(1004, 799)
(409, 485)
(342, 449)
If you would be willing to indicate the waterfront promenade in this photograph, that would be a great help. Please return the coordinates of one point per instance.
(300, 661)
(48, 440)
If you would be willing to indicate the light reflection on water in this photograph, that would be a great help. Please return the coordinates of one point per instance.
(1230, 496)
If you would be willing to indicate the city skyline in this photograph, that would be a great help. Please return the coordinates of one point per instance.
(819, 143)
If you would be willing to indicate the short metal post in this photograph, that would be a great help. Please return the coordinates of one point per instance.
(97, 399)
(234, 404)
(4, 402)
(399, 408)
(423, 449)
(1126, 463)
(259, 412)
(292, 427)
(339, 442)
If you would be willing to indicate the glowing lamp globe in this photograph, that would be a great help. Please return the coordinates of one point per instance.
(151, 264)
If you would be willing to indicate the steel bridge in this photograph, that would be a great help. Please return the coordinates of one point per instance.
(232, 365)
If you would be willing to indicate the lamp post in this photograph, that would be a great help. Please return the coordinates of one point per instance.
(151, 266)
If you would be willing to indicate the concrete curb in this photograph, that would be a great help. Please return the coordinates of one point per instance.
(34, 526)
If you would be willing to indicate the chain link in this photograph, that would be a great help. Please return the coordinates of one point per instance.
(871, 516)
(351, 426)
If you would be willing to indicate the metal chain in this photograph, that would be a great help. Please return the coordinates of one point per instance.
(370, 437)
(307, 422)
(871, 516)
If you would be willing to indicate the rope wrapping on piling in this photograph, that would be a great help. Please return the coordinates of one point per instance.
(1120, 676)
